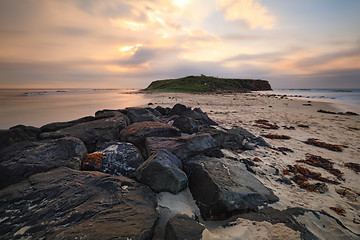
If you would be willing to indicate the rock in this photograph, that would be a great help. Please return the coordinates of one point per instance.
(95, 133)
(163, 111)
(137, 132)
(17, 134)
(52, 127)
(222, 187)
(69, 204)
(199, 115)
(21, 160)
(182, 147)
(105, 113)
(121, 159)
(178, 109)
(162, 172)
(236, 138)
(188, 125)
(183, 227)
(140, 115)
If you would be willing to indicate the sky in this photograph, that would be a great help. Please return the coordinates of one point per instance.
(129, 43)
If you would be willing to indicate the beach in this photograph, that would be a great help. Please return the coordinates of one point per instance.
(243, 110)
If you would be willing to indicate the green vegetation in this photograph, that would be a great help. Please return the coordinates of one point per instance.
(207, 84)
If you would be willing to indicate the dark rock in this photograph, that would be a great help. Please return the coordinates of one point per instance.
(162, 173)
(215, 152)
(163, 111)
(223, 187)
(32, 132)
(52, 127)
(154, 111)
(199, 115)
(106, 113)
(284, 180)
(17, 134)
(95, 133)
(120, 159)
(137, 132)
(69, 204)
(140, 115)
(189, 125)
(179, 109)
(182, 147)
(183, 227)
(21, 160)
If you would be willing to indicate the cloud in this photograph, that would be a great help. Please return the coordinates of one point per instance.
(250, 11)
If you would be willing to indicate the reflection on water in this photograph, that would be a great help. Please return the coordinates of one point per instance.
(39, 107)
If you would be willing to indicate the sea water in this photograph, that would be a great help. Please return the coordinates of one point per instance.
(37, 107)
(348, 99)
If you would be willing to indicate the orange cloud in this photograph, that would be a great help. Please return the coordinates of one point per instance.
(251, 11)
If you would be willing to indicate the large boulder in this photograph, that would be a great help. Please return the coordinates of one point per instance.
(137, 132)
(183, 227)
(21, 160)
(162, 172)
(182, 147)
(179, 109)
(95, 133)
(69, 204)
(188, 125)
(116, 158)
(17, 134)
(140, 115)
(222, 187)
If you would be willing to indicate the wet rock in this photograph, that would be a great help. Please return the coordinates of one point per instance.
(95, 133)
(17, 134)
(163, 111)
(189, 125)
(183, 227)
(120, 159)
(21, 160)
(182, 147)
(137, 132)
(222, 187)
(51, 127)
(69, 204)
(162, 172)
(179, 109)
(140, 115)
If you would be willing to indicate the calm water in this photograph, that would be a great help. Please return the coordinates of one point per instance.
(349, 99)
(39, 107)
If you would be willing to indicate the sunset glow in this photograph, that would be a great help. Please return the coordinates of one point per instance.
(130, 43)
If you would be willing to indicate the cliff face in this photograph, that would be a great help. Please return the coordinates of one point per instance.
(208, 84)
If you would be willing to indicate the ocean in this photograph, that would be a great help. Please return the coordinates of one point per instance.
(346, 99)
(37, 107)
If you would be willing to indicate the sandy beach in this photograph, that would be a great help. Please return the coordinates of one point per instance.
(243, 110)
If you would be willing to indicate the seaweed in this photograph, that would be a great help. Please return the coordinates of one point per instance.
(289, 128)
(318, 161)
(338, 210)
(283, 150)
(332, 147)
(353, 166)
(303, 126)
(276, 136)
(324, 111)
(265, 124)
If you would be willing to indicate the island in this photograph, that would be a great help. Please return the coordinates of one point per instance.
(205, 83)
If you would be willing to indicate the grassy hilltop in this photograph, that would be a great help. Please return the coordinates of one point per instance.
(208, 84)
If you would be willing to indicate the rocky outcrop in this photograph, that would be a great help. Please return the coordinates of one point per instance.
(222, 187)
(52, 127)
(182, 147)
(162, 172)
(24, 159)
(17, 134)
(183, 227)
(94, 134)
(137, 132)
(69, 204)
